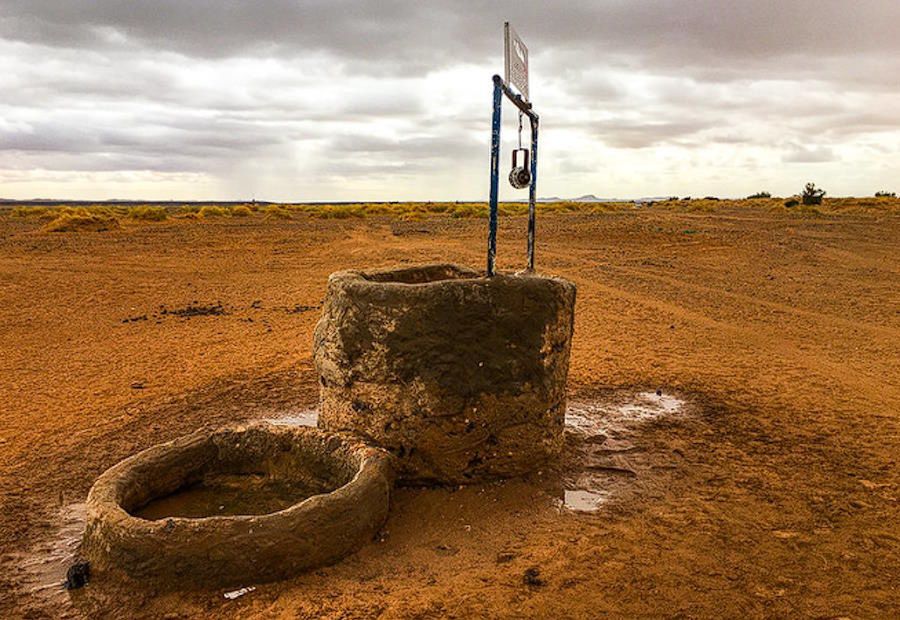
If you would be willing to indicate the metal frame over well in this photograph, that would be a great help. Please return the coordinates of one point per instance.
(500, 89)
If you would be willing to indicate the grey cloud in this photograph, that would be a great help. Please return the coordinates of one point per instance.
(423, 35)
(219, 28)
(171, 163)
(641, 134)
(800, 154)
(423, 147)
(663, 109)
(360, 169)
(107, 85)
(197, 145)
(381, 105)
(367, 156)
(851, 123)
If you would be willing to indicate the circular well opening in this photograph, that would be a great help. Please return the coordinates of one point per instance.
(422, 274)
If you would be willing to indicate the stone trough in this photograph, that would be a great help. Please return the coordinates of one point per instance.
(241, 504)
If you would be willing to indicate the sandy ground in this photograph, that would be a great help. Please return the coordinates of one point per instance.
(773, 492)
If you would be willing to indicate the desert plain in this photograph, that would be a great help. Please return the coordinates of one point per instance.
(774, 491)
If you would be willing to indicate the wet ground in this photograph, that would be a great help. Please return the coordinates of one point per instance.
(600, 455)
(603, 458)
(595, 470)
(41, 570)
(773, 492)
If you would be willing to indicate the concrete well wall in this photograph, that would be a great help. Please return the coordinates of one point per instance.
(460, 376)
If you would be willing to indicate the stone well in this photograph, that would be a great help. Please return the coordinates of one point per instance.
(462, 377)
(342, 493)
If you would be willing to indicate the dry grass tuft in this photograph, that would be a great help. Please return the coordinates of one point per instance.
(148, 213)
(421, 210)
(211, 211)
(109, 216)
(36, 212)
(278, 212)
(78, 220)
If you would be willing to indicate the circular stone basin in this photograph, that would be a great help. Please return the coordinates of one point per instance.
(238, 505)
(462, 377)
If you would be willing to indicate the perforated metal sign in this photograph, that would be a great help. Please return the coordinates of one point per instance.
(515, 60)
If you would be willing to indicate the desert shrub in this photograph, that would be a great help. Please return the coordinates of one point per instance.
(467, 209)
(147, 213)
(758, 195)
(507, 209)
(212, 211)
(277, 212)
(374, 208)
(335, 214)
(884, 194)
(188, 209)
(701, 205)
(342, 212)
(420, 210)
(791, 202)
(39, 212)
(98, 210)
(714, 198)
(564, 206)
(241, 211)
(74, 221)
(811, 195)
(609, 207)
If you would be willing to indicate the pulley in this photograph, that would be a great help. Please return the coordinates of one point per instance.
(520, 176)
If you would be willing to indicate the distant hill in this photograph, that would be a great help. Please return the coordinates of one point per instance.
(590, 198)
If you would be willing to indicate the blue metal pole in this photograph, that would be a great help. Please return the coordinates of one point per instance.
(495, 176)
(532, 191)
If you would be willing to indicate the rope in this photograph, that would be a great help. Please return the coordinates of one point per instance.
(521, 114)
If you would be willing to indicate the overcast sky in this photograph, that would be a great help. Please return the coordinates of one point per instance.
(307, 100)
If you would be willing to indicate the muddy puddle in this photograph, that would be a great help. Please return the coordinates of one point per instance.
(604, 459)
(41, 571)
(299, 417)
(227, 495)
(578, 500)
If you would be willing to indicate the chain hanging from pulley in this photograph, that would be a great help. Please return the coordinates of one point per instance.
(520, 175)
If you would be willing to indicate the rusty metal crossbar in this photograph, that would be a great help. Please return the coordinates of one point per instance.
(500, 89)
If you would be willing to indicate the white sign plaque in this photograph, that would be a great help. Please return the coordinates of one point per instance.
(515, 56)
